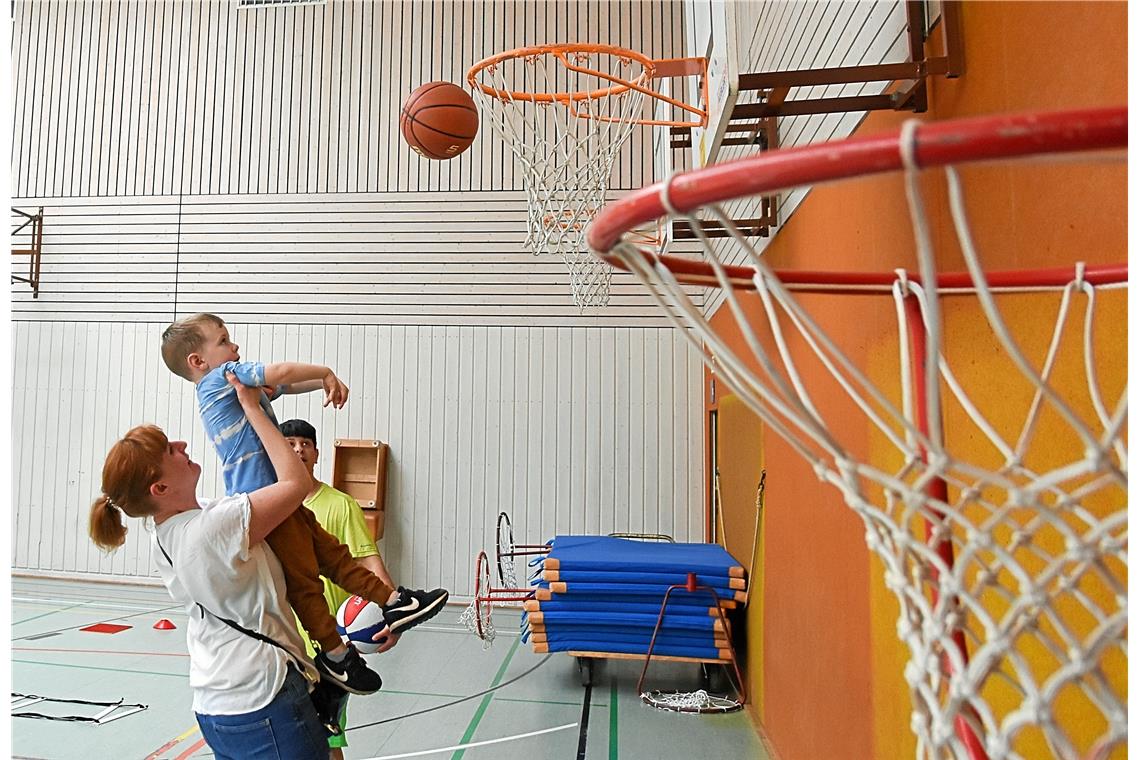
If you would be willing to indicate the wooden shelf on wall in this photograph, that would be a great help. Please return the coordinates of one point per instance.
(360, 468)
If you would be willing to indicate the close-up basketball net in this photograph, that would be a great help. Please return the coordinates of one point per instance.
(1007, 556)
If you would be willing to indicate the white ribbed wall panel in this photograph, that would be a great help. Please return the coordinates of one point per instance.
(198, 97)
(350, 258)
(567, 430)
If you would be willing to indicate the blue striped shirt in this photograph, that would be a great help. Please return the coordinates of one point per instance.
(245, 465)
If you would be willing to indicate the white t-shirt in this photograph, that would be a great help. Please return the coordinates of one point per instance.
(230, 672)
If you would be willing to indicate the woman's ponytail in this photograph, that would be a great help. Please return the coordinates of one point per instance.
(106, 524)
(133, 464)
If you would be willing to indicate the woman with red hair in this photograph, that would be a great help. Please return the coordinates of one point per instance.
(248, 670)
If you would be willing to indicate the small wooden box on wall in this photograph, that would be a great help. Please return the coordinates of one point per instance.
(360, 469)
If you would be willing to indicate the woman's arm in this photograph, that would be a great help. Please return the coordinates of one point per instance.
(271, 504)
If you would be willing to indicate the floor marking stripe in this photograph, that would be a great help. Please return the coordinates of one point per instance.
(172, 743)
(593, 702)
(478, 716)
(171, 608)
(194, 748)
(613, 721)
(92, 667)
(461, 629)
(484, 743)
(100, 651)
(47, 614)
(84, 603)
(585, 723)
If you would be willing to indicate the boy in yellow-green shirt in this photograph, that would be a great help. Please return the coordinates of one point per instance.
(340, 515)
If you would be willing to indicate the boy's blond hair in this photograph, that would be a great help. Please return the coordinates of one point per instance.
(183, 338)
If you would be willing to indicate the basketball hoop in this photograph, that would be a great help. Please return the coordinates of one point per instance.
(1013, 596)
(565, 111)
(506, 550)
(477, 617)
(699, 701)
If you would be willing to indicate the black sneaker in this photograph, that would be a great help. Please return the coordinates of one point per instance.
(350, 674)
(413, 608)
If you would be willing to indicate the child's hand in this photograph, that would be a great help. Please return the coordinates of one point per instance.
(249, 396)
(336, 392)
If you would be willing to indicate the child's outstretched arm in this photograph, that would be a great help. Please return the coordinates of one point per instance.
(302, 378)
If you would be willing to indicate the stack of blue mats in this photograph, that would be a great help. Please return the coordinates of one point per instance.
(600, 594)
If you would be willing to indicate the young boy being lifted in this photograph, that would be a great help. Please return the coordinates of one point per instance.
(199, 349)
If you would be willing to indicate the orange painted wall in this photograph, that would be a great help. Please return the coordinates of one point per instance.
(830, 666)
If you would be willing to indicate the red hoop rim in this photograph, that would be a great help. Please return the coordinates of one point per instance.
(935, 144)
(482, 568)
(693, 272)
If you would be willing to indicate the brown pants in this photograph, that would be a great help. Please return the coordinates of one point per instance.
(306, 549)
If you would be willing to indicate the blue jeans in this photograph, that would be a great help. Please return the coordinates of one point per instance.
(285, 729)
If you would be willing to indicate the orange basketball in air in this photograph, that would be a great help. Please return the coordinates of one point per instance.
(439, 120)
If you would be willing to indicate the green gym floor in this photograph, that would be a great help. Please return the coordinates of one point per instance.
(514, 702)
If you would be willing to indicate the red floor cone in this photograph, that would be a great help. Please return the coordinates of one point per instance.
(164, 625)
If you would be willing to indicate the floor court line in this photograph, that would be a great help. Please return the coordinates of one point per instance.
(73, 666)
(100, 593)
(101, 620)
(482, 709)
(584, 722)
(101, 651)
(193, 748)
(85, 603)
(384, 692)
(613, 721)
(460, 748)
(49, 613)
(519, 700)
(172, 743)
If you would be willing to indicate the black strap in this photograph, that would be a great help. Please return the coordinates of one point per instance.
(255, 634)
(326, 699)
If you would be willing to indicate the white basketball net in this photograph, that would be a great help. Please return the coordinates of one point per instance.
(566, 151)
(506, 561)
(1038, 583)
(510, 578)
(699, 701)
(485, 628)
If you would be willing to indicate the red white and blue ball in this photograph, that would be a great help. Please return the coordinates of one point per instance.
(357, 621)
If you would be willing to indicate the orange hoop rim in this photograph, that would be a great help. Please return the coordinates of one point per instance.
(558, 51)
(620, 86)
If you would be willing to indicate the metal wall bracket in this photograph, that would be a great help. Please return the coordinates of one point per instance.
(762, 133)
(33, 250)
(906, 91)
(755, 123)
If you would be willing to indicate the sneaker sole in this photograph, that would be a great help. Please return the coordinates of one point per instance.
(421, 616)
(343, 686)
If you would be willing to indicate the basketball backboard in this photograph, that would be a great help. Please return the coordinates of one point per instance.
(663, 164)
(712, 32)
